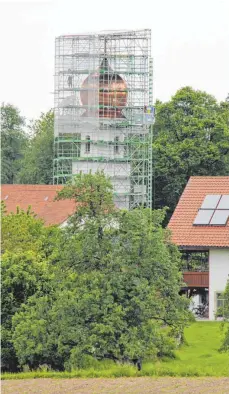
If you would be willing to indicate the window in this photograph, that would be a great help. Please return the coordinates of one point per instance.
(219, 300)
(219, 304)
(88, 144)
(116, 147)
(214, 210)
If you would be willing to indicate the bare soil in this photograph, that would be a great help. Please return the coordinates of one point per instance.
(117, 386)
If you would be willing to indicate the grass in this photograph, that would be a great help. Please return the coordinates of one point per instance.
(199, 357)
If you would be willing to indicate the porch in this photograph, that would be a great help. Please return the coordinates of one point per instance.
(196, 287)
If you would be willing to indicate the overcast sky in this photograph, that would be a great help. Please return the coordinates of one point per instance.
(190, 43)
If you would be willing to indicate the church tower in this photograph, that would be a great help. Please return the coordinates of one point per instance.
(103, 111)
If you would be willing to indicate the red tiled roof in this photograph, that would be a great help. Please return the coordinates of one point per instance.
(181, 223)
(41, 199)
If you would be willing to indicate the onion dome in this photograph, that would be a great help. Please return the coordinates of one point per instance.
(112, 92)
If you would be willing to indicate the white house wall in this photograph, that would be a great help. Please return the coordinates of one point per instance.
(218, 275)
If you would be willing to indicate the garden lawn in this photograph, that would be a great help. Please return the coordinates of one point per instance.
(198, 357)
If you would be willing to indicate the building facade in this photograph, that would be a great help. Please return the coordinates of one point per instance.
(200, 226)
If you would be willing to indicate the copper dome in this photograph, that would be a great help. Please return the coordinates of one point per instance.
(112, 91)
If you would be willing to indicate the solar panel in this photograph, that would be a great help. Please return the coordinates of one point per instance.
(220, 217)
(203, 216)
(211, 201)
(224, 202)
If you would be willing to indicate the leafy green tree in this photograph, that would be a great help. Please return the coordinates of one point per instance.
(118, 293)
(224, 312)
(37, 165)
(13, 142)
(191, 138)
(30, 253)
(23, 274)
(23, 231)
(93, 194)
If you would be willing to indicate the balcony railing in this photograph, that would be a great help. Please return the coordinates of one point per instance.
(196, 279)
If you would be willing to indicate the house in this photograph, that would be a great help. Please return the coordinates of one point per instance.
(200, 226)
(41, 199)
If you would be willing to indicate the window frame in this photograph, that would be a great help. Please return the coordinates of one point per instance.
(88, 144)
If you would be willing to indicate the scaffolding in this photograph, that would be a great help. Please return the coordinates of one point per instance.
(103, 111)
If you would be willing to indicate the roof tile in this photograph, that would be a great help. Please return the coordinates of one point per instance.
(181, 223)
(52, 212)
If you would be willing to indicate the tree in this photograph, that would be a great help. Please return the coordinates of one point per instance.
(191, 138)
(224, 312)
(23, 231)
(93, 194)
(118, 293)
(30, 252)
(23, 274)
(13, 142)
(37, 165)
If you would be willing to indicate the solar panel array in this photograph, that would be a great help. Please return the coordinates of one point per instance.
(214, 210)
